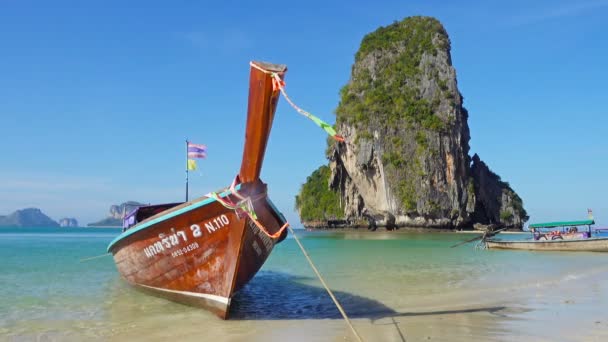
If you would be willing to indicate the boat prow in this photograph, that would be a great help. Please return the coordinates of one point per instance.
(202, 251)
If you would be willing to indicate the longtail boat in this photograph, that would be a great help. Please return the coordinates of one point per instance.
(201, 252)
(556, 236)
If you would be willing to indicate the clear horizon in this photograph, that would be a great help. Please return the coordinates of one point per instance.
(98, 99)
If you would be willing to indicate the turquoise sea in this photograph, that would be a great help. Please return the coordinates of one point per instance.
(395, 286)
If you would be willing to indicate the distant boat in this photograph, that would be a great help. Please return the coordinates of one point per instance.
(203, 251)
(556, 236)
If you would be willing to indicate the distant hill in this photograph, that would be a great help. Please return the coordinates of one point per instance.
(29, 217)
(117, 211)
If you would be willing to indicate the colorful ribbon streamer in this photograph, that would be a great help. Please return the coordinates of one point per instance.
(279, 83)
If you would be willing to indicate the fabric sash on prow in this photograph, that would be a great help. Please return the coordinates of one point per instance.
(263, 98)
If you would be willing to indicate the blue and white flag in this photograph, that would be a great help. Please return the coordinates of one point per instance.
(196, 151)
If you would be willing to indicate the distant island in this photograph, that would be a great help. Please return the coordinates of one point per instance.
(34, 217)
(405, 160)
(68, 222)
(29, 217)
(116, 214)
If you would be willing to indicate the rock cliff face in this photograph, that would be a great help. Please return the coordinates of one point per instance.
(405, 161)
(30, 217)
(495, 200)
(115, 216)
(68, 222)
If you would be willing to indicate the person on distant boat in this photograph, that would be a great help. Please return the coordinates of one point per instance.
(536, 233)
(556, 235)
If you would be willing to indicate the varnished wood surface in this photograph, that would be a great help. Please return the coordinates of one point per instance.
(260, 114)
(220, 265)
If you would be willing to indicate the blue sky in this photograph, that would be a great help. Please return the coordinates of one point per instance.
(97, 98)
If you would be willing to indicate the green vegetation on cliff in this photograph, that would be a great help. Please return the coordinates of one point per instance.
(392, 94)
(397, 88)
(417, 31)
(517, 204)
(315, 200)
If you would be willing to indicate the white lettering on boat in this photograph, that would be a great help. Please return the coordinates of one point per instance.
(166, 242)
(217, 223)
(256, 247)
(267, 242)
(185, 250)
(196, 230)
(175, 238)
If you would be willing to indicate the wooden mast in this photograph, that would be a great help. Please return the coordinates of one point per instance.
(260, 113)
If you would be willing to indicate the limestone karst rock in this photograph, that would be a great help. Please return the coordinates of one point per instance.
(406, 157)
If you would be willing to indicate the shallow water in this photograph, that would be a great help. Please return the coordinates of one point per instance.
(394, 286)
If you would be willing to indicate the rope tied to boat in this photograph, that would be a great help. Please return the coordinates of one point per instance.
(95, 257)
(279, 84)
(244, 207)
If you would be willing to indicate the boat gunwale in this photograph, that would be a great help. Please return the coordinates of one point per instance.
(172, 212)
(147, 223)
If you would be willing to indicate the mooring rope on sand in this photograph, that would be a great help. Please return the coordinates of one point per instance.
(331, 294)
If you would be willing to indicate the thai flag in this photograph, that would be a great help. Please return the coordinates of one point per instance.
(197, 150)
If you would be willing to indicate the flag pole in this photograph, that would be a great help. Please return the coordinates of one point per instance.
(186, 170)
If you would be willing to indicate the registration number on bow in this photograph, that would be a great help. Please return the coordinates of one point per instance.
(176, 238)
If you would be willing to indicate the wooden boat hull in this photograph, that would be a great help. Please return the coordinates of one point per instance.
(591, 245)
(202, 252)
(199, 253)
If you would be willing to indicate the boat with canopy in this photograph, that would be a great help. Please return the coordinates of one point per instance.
(556, 236)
